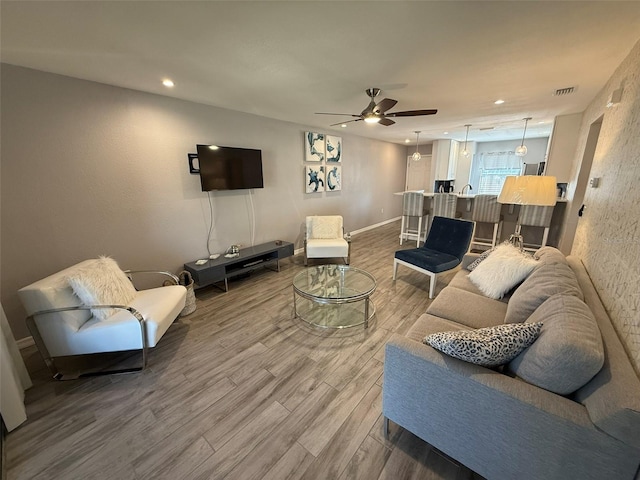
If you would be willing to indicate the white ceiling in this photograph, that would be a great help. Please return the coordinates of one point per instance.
(287, 60)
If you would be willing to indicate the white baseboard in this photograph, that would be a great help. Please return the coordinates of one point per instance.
(375, 225)
(25, 342)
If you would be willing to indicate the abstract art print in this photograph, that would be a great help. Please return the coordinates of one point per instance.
(334, 149)
(314, 147)
(334, 178)
(314, 178)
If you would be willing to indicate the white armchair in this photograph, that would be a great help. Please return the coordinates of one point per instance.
(93, 307)
(324, 238)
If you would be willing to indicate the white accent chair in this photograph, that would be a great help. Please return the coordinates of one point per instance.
(62, 325)
(324, 238)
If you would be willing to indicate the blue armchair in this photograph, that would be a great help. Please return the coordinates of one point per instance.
(448, 241)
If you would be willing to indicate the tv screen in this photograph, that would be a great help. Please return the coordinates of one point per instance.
(229, 168)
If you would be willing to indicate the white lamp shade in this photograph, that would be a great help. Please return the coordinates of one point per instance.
(529, 190)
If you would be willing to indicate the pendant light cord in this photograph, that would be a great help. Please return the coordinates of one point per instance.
(526, 121)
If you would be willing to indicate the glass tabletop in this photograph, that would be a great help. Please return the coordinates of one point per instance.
(334, 283)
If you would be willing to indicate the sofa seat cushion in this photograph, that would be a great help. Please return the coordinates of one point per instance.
(428, 259)
(505, 268)
(466, 308)
(428, 324)
(569, 351)
(158, 306)
(545, 281)
(327, 248)
(489, 347)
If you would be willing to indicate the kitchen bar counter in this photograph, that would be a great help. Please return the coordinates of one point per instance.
(510, 216)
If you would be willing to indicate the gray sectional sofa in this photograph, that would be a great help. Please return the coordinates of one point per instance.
(492, 420)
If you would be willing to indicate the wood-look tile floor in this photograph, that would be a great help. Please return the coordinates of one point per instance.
(240, 390)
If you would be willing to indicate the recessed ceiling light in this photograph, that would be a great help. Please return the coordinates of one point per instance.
(539, 123)
(344, 125)
(446, 133)
(213, 147)
(167, 83)
(499, 102)
(406, 140)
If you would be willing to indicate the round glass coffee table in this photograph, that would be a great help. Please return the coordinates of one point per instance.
(334, 296)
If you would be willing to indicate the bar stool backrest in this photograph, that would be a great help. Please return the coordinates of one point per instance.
(535, 216)
(444, 205)
(412, 204)
(486, 209)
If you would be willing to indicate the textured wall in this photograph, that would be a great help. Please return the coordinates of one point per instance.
(608, 235)
(90, 169)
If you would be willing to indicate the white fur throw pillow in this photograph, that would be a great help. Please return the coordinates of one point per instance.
(505, 268)
(101, 282)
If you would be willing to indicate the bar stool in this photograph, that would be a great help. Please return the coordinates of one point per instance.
(535, 216)
(413, 207)
(443, 205)
(486, 209)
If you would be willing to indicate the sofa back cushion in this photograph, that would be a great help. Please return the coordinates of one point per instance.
(568, 352)
(53, 292)
(546, 255)
(324, 227)
(546, 280)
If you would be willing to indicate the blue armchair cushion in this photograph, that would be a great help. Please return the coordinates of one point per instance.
(428, 259)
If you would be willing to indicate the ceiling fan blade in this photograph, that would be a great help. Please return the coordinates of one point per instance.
(384, 105)
(386, 122)
(348, 121)
(342, 114)
(412, 113)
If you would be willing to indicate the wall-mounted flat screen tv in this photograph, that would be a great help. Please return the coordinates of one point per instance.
(229, 168)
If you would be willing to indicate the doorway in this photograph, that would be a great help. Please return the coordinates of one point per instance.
(418, 174)
(571, 216)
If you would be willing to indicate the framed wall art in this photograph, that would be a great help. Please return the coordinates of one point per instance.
(314, 147)
(314, 178)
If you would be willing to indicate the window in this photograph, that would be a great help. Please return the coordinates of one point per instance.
(491, 168)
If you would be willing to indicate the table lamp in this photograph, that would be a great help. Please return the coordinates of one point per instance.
(527, 190)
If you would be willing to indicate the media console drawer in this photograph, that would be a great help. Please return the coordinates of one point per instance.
(248, 259)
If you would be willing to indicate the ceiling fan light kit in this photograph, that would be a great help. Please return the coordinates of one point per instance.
(521, 151)
(377, 112)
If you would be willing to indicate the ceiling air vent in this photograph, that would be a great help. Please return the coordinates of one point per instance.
(487, 128)
(564, 91)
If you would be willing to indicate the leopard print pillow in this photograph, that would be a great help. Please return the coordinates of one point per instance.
(488, 347)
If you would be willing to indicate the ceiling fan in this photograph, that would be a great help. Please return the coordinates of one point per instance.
(376, 112)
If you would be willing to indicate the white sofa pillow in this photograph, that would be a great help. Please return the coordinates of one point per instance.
(505, 268)
(101, 282)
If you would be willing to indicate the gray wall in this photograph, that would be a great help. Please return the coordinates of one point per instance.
(608, 235)
(91, 169)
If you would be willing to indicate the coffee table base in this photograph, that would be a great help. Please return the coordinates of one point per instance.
(333, 314)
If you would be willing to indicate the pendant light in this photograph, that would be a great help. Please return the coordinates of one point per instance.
(521, 151)
(465, 152)
(416, 155)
